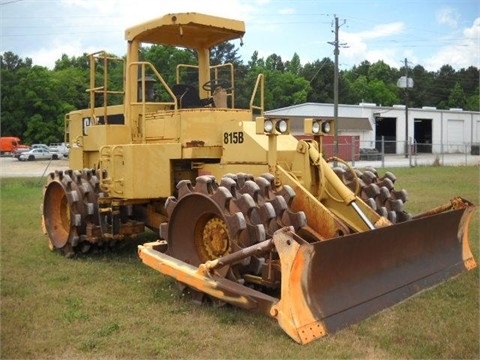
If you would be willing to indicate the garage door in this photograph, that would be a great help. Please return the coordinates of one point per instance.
(455, 136)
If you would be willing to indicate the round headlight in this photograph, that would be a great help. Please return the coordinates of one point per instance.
(326, 127)
(316, 127)
(268, 126)
(282, 126)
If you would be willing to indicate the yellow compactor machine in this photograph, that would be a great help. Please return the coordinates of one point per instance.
(245, 213)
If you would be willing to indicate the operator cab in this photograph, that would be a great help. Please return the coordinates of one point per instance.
(187, 30)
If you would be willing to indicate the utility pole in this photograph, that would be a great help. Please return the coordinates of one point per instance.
(336, 52)
(406, 82)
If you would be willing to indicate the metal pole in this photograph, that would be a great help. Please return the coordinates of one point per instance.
(353, 151)
(441, 150)
(441, 137)
(406, 108)
(335, 88)
(383, 151)
(410, 152)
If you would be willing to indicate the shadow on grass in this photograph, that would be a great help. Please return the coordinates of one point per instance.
(125, 249)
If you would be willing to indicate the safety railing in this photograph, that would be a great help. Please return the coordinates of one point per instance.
(104, 90)
(142, 101)
(259, 85)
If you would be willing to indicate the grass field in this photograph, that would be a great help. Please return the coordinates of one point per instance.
(112, 306)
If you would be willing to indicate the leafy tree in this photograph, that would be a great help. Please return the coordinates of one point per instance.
(357, 71)
(71, 81)
(457, 97)
(274, 62)
(294, 65)
(14, 109)
(469, 79)
(444, 81)
(359, 89)
(65, 62)
(43, 106)
(383, 72)
(245, 79)
(285, 89)
(473, 101)
(255, 62)
(320, 75)
(165, 60)
(39, 130)
(225, 53)
(34, 100)
(420, 94)
(282, 87)
(381, 93)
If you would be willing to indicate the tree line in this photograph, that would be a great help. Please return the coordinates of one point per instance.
(34, 99)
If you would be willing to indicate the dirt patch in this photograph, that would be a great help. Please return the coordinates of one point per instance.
(11, 167)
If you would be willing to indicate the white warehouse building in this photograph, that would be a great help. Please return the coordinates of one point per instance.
(430, 130)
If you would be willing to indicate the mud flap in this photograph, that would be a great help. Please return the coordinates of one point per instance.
(331, 284)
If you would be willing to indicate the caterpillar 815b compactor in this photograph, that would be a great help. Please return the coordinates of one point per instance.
(246, 213)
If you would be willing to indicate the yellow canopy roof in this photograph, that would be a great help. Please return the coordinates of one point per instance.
(190, 30)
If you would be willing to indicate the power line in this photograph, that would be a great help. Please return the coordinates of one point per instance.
(10, 2)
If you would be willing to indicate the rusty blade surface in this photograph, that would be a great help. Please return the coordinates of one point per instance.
(346, 279)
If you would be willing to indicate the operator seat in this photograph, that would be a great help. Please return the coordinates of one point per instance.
(187, 97)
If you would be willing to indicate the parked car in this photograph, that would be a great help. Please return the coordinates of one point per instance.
(61, 148)
(20, 150)
(38, 154)
(40, 146)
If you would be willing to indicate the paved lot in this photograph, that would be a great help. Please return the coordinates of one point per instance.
(11, 167)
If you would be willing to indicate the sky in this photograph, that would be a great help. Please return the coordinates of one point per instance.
(430, 33)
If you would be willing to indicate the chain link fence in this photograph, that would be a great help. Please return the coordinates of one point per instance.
(389, 153)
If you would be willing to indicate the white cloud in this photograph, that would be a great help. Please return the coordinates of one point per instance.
(73, 27)
(448, 16)
(463, 53)
(91, 25)
(383, 30)
(357, 49)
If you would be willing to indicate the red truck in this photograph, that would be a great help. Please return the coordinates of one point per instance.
(11, 144)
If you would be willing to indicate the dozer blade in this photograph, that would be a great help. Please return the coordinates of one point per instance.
(331, 284)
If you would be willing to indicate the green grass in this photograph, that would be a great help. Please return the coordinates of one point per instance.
(111, 305)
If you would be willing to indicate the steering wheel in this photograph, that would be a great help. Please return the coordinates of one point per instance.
(213, 84)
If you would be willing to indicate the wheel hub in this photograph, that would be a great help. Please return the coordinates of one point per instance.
(213, 240)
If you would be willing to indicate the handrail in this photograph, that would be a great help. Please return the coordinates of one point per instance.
(160, 77)
(143, 102)
(183, 66)
(100, 89)
(260, 82)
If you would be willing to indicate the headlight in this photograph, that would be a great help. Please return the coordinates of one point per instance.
(316, 127)
(326, 127)
(268, 126)
(281, 126)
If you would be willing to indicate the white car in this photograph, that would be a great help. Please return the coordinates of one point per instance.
(61, 148)
(38, 154)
